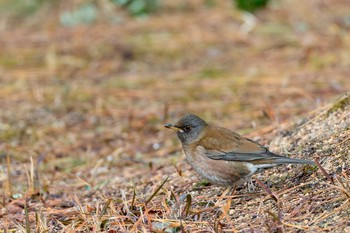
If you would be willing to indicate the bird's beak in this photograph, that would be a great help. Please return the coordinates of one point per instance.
(171, 126)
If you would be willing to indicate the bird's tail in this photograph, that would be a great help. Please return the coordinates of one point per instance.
(278, 159)
(292, 161)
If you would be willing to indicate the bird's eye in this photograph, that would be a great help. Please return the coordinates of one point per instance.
(187, 128)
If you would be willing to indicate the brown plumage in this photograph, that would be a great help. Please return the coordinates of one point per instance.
(223, 156)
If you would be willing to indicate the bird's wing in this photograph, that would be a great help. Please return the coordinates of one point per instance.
(234, 156)
(255, 158)
(224, 144)
(245, 151)
(230, 146)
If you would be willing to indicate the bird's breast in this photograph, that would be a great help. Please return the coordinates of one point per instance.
(225, 173)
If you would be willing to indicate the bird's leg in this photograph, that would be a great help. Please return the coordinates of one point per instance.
(233, 190)
(250, 186)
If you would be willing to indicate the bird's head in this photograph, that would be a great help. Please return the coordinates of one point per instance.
(189, 128)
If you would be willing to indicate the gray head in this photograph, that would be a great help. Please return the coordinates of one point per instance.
(188, 128)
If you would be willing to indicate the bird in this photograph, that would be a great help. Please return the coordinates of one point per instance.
(222, 156)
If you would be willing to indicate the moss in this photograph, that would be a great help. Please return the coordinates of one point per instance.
(310, 169)
(8, 61)
(339, 104)
(8, 134)
(202, 183)
(211, 72)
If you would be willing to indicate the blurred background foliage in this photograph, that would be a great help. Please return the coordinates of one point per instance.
(250, 5)
(18, 8)
(138, 7)
(77, 12)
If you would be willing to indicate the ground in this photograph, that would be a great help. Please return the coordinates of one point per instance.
(82, 143)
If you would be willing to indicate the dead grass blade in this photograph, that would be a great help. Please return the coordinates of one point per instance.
(329, 178)
(156, 191)
(26, 213)
(8, 191)
(104, 208)
(267, 190)
(134, 227)
(133, 197)
(186, 210)
(345, 205)
(126, 209)
(225, 211)
(343, 187)
(295, 226)
(41, 222)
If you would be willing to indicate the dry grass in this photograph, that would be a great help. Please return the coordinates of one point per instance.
(82, 147)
